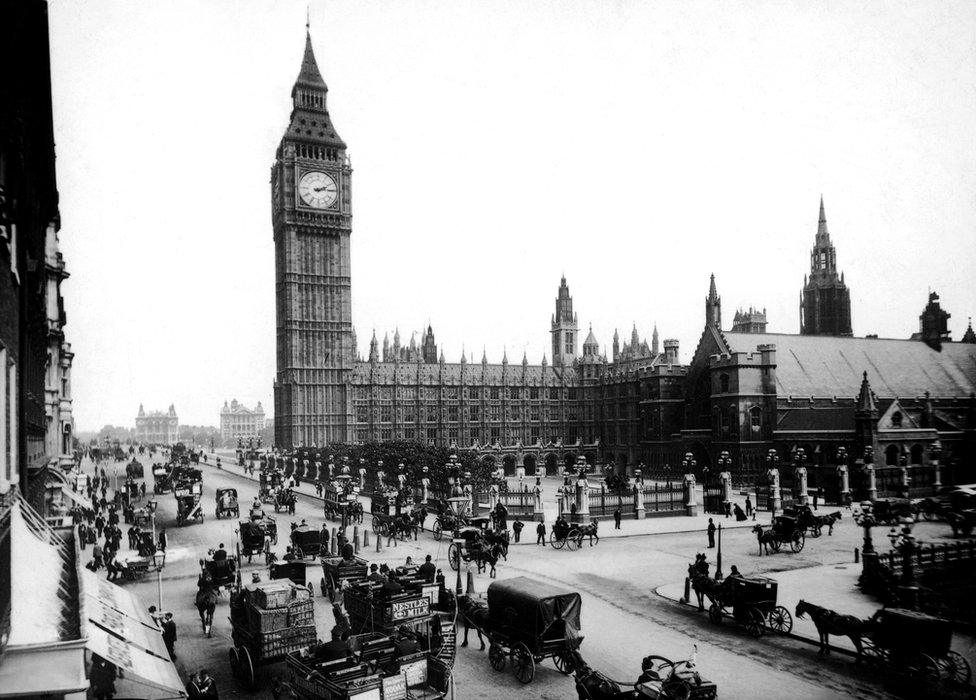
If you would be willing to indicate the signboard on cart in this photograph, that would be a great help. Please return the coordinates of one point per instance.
(409, 609)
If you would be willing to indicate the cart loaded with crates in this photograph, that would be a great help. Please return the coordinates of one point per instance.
(335, 570)
(530, 621)
(752, 603)
(293, 571)
(270, 620)
(188, 505)
(916, 644)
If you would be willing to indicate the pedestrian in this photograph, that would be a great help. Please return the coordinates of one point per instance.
(154, 615)
(82, 535)
(201, 686)
(540, 532)
(728, 509)
(142, 489)
(102, 678)
(99, 525)
(392, 535)
(749, 507)
(616, 519)
(132, 536)
(97, 556)
(162, 540)
(517, 529)
(169, 635)
(816, 498)
(711, 534)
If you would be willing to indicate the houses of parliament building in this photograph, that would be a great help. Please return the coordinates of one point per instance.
(743, 390)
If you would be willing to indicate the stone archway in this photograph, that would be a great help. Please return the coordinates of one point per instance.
(916, 454)
(552, 464)
(508, 462)
(891, 455)
(569, 459)
(529, 462)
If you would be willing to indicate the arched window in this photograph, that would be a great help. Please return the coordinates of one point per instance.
(896, 419)
(916, 454)
(717, 421)
(755, 419)
(723, 383)
(733, 421)
(891, 456)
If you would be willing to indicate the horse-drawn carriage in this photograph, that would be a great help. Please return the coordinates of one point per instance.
(446, 521)
(752, 603)
(914, 643)
(335, 570)
(811, 523)
(571, 535)
(162, 478)
(223, 572)
(134, 469)
(188, 505)
(528, 621)
(888, 511)
(784, 530)
(306, 541)
(473, 545)
(660, 678)
(284, 498)
(253, 532)
(270, 620)
(142, 518)
(225, 503)
(131, 491)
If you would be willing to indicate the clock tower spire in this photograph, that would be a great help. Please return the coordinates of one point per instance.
(311, 211)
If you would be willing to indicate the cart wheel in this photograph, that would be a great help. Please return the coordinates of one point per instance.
(564, 663)
(925, 669)
(954, 668)
(780, 620)
(496, 657)
(874, 656)
(247, 668)
(755, 623)
(438, 530)
(523, 665)
(797, 541)
(573, 540)
(677, 688)
(556, 544)
(816, 530)
(715, 613)
(454, 556)
(235, 661)
(376, 525)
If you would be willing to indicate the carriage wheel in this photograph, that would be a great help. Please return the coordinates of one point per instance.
(715, 613)
(248, 677)
(556, 543)
(235, 661)
(454, 556)
(523, 665)
(816, 530)
(573, 539)
(954, 668)
(797, 541)
(780, 620)
(564, 663)
(755, 623)
(496, 657)
(438, 530)
(925, 669)
(376, 525)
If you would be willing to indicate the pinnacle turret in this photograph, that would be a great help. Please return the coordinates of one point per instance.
(866, 402)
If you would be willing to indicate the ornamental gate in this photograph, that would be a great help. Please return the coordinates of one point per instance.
(714, 501)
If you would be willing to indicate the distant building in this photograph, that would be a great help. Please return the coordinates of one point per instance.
(751, 321)
(239, 421)
(933, 324)
(157, 427)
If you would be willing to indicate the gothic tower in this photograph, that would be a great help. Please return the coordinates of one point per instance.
(311, 205)
(713, 306)
(564, 329)
(825, 303)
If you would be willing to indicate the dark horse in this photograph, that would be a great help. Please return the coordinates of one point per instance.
(487, 558)
(766, 539)
(206, 600)
(701, 583)
(474, 615)
(828, 622)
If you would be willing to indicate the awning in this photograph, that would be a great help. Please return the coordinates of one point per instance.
(121, 631)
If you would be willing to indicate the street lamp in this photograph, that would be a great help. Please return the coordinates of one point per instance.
(689, 463)
(458, 506)
(159, 561)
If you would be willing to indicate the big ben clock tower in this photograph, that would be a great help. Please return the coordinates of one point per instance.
(311, 206)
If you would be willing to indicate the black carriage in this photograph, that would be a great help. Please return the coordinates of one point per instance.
(338, 496)
(225, 503)
(530, 621)
(134, 469)
(472, 543)
(891, 511)
(293, 571)
(335, 570)
(252, 534)
(162, 478)
(786, 531)
(385, 508)
(223, 572)
(284, 498)
(131, 491)
(446, 521)
(917, 644)
(660, 678)
(752, 603)
(269, 620)
(306, 541)
(188, 505)
(568, 535)
(142, 518)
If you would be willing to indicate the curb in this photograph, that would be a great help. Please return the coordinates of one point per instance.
(790, 635)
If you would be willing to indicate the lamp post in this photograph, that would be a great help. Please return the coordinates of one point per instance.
(159, 561)
(458, 505)
(689, 463)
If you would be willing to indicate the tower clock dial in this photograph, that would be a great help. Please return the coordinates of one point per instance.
(318, 189)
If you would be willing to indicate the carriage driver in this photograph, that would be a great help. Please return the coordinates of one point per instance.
(220, 554)
(257, 512)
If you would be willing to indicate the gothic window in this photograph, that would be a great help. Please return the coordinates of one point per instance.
(535, 435)
(476, 413)
(516, 412)
(386, 434)
(755, 419)
(362, 414)
(496, 434)
(572, 393)
(733, 421)
(514, 392)
(916, 454)
(534, 415)
(452, 392)
(409, 434)
(896, 419)
(386, 414)
(723, 382)
(452, 413)
(452, 434)
(534, 392)
(496, 412)
(494, 392)
(891, 455)
(362, 435)
(431, 436)
(409, 416)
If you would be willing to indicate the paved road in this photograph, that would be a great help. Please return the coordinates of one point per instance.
(623, 619)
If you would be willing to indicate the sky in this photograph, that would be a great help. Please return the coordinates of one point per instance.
(635, 147)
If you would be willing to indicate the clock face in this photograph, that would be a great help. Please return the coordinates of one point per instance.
(318, 190)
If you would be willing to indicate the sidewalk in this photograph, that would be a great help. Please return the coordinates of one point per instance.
(664, 525)
(831, 586)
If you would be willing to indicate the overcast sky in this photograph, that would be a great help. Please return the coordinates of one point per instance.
(634, 146)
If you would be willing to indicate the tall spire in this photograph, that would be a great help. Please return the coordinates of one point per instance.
(865, 400)
(823, 236)
(713, 306)
(309, 75)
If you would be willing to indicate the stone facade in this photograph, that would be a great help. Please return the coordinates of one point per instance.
(239, 421)
(157, 427)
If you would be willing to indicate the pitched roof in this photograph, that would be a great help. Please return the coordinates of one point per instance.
(430, 374)
(834, 419)
(816, 365)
